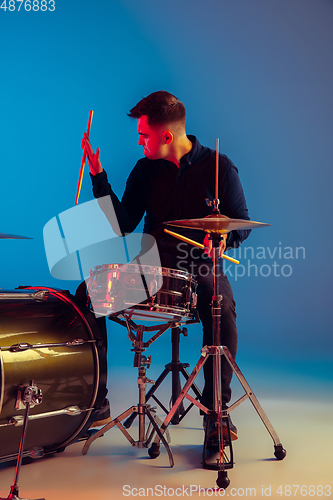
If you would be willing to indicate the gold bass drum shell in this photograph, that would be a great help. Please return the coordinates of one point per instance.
(69, 375)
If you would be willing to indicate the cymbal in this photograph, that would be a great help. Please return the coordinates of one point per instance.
(217, 223)
(13, 237)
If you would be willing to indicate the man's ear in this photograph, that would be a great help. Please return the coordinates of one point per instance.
(167, 137)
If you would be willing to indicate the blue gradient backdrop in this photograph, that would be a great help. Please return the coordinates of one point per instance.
(257, 74)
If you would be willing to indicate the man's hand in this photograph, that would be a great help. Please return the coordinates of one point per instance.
(209, 246)
(95, 165)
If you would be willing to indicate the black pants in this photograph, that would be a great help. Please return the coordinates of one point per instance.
(202, 270)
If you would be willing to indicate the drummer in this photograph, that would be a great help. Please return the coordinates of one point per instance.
(174, 181)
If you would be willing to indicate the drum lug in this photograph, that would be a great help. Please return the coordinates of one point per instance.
(72, 411)
(24, 346)
(153, 287)
(35, 453)
(41, 295)
(28, 395)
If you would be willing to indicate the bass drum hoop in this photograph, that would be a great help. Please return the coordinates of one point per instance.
(2, 378)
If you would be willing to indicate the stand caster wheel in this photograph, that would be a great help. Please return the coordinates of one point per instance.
(154, 450)
(222, 480)
(280, 452)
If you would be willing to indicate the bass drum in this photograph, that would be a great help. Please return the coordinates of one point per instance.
(46, 337)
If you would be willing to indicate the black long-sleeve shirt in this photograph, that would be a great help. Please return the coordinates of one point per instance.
(164, 192)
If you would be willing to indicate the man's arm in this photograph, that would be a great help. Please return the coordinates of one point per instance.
(128, 213)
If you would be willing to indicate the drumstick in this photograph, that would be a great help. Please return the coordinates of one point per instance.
(217, 170)
(199, 245)
(83, 160)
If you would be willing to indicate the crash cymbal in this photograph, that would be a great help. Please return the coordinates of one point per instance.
(13, 237)
(217, 223)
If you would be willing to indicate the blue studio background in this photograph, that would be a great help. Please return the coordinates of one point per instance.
(259, 76)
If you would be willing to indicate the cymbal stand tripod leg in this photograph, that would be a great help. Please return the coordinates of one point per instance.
(279, 451)
(219, 351)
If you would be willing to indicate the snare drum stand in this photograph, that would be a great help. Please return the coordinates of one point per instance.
(28, 396)
(135, 334)
(175, 368)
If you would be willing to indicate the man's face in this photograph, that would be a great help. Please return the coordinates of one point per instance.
(152, 139)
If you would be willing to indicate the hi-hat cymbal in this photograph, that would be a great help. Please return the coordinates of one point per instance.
(13, 237)
(217, 223)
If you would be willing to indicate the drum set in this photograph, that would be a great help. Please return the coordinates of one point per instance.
(52, 377)
(174, 303)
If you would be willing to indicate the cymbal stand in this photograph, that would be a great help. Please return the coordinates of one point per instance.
(218, 414)
(223, 480)
(27, 396)
(217, 350)
(135, 334)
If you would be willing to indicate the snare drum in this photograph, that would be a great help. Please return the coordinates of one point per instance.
(143, 292)
(46, 337)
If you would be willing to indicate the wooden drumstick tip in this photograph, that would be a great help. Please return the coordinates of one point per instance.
(231, 259)
(83, 162)
(89, 121)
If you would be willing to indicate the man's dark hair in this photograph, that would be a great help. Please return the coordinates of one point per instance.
(160, 107)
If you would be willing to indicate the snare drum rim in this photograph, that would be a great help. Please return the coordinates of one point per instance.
(169, 315)
(144, 268)
(67, 299)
